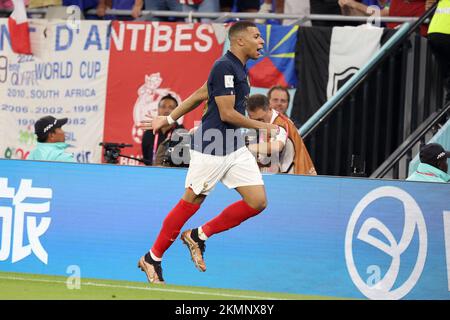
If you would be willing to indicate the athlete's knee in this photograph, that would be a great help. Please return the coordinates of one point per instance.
(262, 204)
(259, 204)
(191, 197)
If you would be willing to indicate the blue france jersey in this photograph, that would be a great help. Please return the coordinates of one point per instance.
(228, 77)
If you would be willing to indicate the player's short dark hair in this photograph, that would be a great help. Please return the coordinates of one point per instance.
(170, 97)
(278, 87)
(257, 101)
(239, 27)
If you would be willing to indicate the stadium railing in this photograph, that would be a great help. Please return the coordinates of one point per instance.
(364, 123)
(223, 16)
(397, 164)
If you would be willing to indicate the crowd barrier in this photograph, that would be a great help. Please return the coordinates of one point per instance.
(325, 236)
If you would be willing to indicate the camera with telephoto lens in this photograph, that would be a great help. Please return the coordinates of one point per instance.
(112, 151)
(176, 149)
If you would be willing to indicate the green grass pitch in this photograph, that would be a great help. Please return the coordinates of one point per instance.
(30, 286)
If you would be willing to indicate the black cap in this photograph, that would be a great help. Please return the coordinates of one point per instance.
(432, 152)
(43, 126)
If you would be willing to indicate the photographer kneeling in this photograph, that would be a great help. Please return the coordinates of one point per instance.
(156, 146)
(174, 150)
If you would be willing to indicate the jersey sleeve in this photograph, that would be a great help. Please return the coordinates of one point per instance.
(222, 79)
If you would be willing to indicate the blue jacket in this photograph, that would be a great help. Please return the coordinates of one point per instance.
(425, 172)
(51, 152)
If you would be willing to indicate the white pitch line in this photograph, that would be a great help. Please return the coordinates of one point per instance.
(143, 288)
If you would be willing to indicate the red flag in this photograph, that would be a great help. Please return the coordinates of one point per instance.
(18, 28)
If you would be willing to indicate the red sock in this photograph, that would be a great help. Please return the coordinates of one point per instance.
(232, 216)
(172, 225)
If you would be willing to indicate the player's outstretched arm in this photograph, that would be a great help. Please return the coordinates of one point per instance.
(230, 115)
(192, 102)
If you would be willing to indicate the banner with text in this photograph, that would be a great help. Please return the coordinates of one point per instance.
(367, 238)
(149, 61)
(65, 77)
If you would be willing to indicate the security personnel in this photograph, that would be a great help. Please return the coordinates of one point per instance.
(439, 38)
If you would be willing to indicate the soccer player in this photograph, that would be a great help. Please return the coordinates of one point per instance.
(218, 153)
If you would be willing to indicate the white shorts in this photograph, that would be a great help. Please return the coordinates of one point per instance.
(237, 169)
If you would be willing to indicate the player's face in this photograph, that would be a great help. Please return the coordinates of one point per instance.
(253, 43)
(260, 115)
(165, 107)
(279, 101)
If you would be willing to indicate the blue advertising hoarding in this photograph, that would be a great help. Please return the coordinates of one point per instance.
(325, 236)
